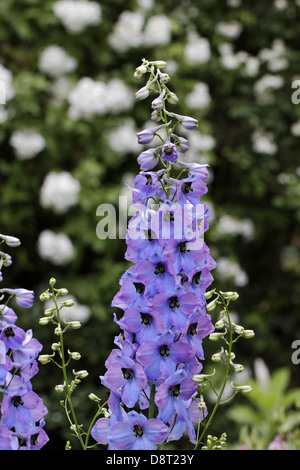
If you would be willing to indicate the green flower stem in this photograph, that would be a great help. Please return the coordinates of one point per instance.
(151, 404)
(227, 376)
(64, 371)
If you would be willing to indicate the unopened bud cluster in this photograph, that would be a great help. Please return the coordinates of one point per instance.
(229, 332)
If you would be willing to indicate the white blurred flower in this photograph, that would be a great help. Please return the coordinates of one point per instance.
(275, 57)
(87, 98)
(76, 15)
(7, 77)
(55, 247)
(27, 143)
(263, 142)
(295, 129)
(127, 32)
(77, 312)
(281, 4)
(229, 225)
(231, 60)
(157, 31)
(146, 4)
(199, 97)
(55, 62)
(265, 86)
(234, 3)
(231, 29)
(228, 269)
(60, 90)
(123, 139)
(4, 114)
(119, 96)
(59, 191)
(197, 50)
(252, 65)
(90, 97)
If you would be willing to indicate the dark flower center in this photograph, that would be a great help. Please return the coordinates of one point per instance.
(16, 401)
(174, 390)
(168, 149)
(192, 330)
(196, 278)
(149, 179)
(186, 187)
(182, 247)
(139, 287)
(128, 374)
(146, 318)
(174, 302)
(159, 268)
(138, 430)
(169, 216)
(150, 235)
(164, 350)
(9, 332)
(34, 439)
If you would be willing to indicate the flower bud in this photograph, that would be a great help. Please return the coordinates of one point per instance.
(241, 388)
(239, 329)
(55, 346)
(238, 367)
(139, 71)
(212, 305)
(81, 374)
(142, 93)
(52, 282)
(44, 320)
(230, 295)
(44, 358)
(217, 336)
(58, 331)
(209, 294)
(248, 334)
(93, 397)
(220, 324)
(201, 404)
(45, 296)
(59, 388)
(75, 355)
(198, 378)
(62, 291)
(217, 356)
(74, 324)
(159, 63)
(172, 98)
(68, 303)
(164, 78)
(10, 241)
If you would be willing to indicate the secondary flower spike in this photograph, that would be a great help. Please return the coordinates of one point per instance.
(160, 305)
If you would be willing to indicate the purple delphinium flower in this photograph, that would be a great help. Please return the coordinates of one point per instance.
(22, 410)
(7, 316)
(138, 433)
(164, 319)
(23, 297)
(148, 159)
(171, 395)
(7, 440)
(21, 407)
(169, 152)
(127, 376)
(161, 357)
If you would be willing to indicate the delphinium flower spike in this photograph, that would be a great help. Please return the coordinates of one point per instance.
(164, 318)
(22, 410)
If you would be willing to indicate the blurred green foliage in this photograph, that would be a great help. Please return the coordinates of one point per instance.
(247, 182)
